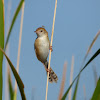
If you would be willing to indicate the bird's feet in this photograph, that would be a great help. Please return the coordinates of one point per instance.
(51, 48)
(48, 70)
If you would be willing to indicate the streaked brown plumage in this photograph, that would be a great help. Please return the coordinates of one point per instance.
(42, 46)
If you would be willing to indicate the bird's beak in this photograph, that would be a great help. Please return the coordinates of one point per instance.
(35, 31)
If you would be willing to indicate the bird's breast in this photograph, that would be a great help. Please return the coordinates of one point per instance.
(42, 48)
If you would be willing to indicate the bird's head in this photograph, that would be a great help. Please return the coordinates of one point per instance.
(41, 32)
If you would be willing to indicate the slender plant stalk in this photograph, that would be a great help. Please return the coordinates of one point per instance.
(6, 79)
(63, 81)
(84, 90)
(2, 34)
(91, 45)
(71, 77)
(51, 45)
(16, 75)
(19, 46)
(95, 74)
(7, 68)
(13, 22)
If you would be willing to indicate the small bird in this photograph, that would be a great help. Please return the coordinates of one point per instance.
(42, 47)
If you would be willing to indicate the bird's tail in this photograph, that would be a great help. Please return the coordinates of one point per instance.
(52, 76)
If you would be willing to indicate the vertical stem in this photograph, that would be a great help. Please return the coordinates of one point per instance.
(7, 65)
(19, 46)
(2, 32)
(51, 45)
(63, 81)
(84, 90)
(71, 77)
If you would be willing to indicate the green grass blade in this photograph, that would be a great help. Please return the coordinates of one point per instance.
(91, 45)
(15, 96)
(66, 93)
(1, 42)
(17, 77)
(93, 57)
(76, 87)
(96, 94)
(11, 91)
(13, 21)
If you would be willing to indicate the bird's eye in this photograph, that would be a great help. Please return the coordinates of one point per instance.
(41, 30)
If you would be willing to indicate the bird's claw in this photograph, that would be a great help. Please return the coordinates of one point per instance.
(51, 48)
(48, 70)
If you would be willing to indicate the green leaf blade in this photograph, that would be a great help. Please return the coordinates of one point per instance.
(11, 91)
(76, 88)
(13, 21)
(15, 96)
(1, 42)
(90, 60)
(96, 94)
(17, 77)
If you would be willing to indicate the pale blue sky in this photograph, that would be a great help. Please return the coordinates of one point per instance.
(76, 24)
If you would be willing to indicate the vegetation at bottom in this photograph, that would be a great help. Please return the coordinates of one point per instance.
(3, 47)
